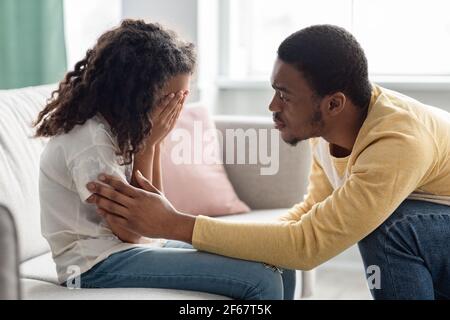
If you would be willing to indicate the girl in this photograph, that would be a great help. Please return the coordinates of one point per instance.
(110, 115)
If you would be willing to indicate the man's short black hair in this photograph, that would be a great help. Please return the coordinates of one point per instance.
(331, 60)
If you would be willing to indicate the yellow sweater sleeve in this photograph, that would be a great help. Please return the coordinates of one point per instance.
(319, 188)
(389, 168)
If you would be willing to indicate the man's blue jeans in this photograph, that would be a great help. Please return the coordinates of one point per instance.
(411, 252)
(179, 266)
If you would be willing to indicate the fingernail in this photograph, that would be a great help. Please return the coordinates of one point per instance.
(101, 177)
(171, 95)
(139, 173)
(90, 186)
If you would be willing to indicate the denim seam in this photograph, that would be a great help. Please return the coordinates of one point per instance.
(414, 216)
(388, 261)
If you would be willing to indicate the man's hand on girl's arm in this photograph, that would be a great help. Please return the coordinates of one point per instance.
(143, 211)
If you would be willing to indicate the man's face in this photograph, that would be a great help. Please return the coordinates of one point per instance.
(295, 107)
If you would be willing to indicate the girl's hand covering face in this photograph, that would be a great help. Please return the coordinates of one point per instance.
(165, 115)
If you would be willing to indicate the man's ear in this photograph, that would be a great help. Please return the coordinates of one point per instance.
(335, 103)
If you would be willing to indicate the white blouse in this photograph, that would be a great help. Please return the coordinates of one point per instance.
(79, 238)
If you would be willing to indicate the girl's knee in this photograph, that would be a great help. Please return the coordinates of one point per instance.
(269, 286)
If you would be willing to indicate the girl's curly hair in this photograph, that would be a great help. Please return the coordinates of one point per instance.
(120, 78)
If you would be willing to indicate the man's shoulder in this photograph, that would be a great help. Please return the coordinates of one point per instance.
(395, 113)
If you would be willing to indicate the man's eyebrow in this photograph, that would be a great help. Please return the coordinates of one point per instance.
(280, 88)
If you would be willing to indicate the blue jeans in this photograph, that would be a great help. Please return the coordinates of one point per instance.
(411, 251)
(179, 266)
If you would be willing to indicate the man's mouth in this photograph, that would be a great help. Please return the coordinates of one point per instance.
(278, 123)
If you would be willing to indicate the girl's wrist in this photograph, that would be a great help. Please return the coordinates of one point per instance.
(147, 151)
(151, 144)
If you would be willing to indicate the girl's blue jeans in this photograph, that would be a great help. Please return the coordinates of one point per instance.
(179, 266)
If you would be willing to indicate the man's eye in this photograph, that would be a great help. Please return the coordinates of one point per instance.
(283, 98)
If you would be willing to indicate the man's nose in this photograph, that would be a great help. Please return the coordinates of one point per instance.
(274, 105)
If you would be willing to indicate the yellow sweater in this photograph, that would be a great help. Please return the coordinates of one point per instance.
(402, 147)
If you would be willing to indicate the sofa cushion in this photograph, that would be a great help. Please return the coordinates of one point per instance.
(41, 268)
(19, 159)
(9, 259)
(278, 183)
(41, 290)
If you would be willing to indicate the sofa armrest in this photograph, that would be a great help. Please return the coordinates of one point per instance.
(9, 259)
(290, 165)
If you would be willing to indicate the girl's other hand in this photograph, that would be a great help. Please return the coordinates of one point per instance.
(165, 116)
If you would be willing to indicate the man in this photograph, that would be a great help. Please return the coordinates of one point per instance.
(380, 177)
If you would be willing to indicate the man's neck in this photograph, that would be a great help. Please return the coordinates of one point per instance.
(343, 136)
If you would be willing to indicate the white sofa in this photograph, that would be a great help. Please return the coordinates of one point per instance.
(19, 168)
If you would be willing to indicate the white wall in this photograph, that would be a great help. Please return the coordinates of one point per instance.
(178, 15)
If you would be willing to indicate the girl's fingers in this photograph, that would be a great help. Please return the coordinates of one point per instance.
(167, 100)
(160, 107)
(171, 106)
(180, 107)
(174, 111)
(177, 110)
(176, 115)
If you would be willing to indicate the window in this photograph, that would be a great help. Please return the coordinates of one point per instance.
(84, 22)
(401, 38)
